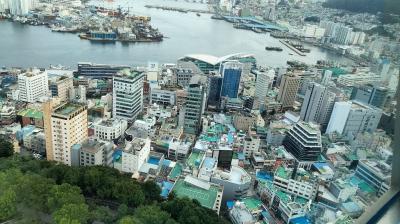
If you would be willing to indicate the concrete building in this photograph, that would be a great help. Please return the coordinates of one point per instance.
(231, 72)
(288, 89)
(60, 87)
(352, 118)
(318, 104)
(195, 104)
(302, 186)
(376, 173)
(64, 126)
(99, 70)
(251, 145)
(360, 78)
(303, 141)
(94, 153)
(162, 96)
(33, 85)
(369, 94)
(17, 7)
(78, 94)
(263, 84)
(110, 129)
(127, 94)
(134, 155)
(185, 71)
(178, 150)
(236, 182)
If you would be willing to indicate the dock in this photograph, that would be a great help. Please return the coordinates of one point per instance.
(177, 9)
(292, 48)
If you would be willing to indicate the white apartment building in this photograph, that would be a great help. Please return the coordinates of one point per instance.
(33, 85)
(352, 118)
(360, 78)
(251, 145)
(110, 129)
(135, 155)
(127, 94)
(263, 84)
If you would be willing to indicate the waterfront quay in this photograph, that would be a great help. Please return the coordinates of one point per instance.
(179, 9)
(92, 23)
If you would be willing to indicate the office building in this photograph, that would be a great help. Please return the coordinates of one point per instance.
(231, 72)
(110, 129)
(17, 7)
(326, 77)
(263, 84)
(33, 85)
(99, 70)
(127, 94)
(303, 141)
(369, 94)
(318, 104)
(288, 90)
(376, 173)
(352, 118)
(162, 96)
(214, 90)
(64, 126)
(60, 86)
(195, 104)
(93, 153)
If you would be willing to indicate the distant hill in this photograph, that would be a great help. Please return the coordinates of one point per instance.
(371, 6)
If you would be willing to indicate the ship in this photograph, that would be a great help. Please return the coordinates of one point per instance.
(273, 49)
(198, 14)
(99, 36)
(299, 47)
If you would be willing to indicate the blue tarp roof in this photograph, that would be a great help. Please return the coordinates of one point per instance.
(263, 175)
(166, 188)
(230, 204)
(117, 154)
(241, 156)
(209, 162)
(166, 162)
(300, 220)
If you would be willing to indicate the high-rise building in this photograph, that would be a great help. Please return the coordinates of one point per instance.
(352, 118)
(214, 90)
(64, 126)
(318, 104)
(369, 94)
(195, 103)
(326, 77)
(60, 86)
(127, 94)
(231, 72)
(17, 7)
(99, 70)
(263, 84)
(303, 141)
(33, 85)
(288, 90)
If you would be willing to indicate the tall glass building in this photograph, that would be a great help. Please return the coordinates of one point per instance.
(214, 90)
(231, 72)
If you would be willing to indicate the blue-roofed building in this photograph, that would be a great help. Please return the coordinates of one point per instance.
(300, 220)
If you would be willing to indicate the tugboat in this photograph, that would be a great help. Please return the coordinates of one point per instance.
(198, 14)
(273, 48)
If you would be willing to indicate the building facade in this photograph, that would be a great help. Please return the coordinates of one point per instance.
(231, 72)
(127, 94)
(290, 84)
(195, 103)
(33, 85)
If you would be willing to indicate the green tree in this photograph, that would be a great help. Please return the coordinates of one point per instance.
(151, 214)
(129, 193)
(151, 191)
(71, 214)
(64, 194)
(8, 204)
(128, 220)
(6, 148)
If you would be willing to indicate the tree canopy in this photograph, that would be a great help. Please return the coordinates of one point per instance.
(33, 191)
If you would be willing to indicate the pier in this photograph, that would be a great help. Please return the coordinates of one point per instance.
(292, 48)
(177, 9)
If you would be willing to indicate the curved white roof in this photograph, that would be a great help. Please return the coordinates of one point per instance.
(213, 60)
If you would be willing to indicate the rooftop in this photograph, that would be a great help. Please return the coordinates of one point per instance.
(32, 113)
(206, 198)
(195, 159)
(252, 203)
(67, 109)
(128, 73)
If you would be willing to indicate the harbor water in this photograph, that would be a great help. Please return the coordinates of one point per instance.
(187, 33)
